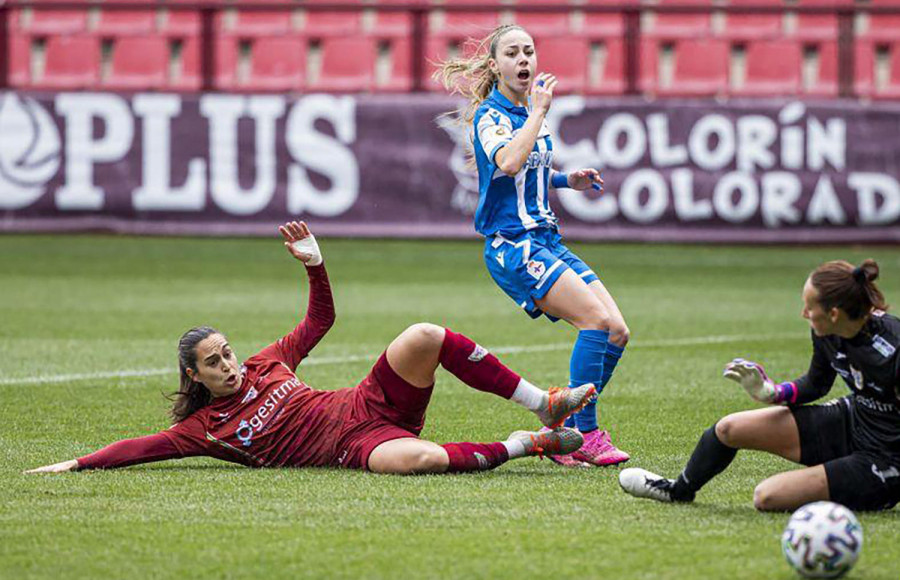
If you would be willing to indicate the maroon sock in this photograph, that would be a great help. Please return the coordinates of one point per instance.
(476, 367)
(475, 456)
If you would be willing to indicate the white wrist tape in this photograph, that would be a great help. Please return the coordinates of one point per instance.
(309, 246)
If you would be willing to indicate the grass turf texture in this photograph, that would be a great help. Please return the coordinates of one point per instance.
(94, 304)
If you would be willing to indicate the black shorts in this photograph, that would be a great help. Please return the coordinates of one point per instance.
(859, 479)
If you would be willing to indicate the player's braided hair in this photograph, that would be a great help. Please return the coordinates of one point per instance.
(191, 395)
(472, 77)
(852, 289)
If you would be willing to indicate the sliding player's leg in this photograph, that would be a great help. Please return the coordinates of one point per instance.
(416, 353)
(400, 387)
(410, 456)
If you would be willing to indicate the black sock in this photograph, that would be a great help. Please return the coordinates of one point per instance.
(709, 459)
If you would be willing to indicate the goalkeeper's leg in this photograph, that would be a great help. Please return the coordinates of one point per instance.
(773, 429)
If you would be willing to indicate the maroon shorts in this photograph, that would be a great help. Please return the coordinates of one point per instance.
(384, 407)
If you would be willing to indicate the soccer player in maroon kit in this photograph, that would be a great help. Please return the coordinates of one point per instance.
(260, 414)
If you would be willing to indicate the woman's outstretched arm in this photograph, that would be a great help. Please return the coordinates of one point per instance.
(156, 447)
(320, 315)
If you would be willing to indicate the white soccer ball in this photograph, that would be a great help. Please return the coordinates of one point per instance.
(822, 540)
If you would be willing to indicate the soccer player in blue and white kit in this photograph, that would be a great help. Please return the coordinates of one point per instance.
(523, 250)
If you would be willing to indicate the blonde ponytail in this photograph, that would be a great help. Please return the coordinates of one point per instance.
(472, 77)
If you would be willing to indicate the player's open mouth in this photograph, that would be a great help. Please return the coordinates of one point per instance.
(231, 380)
(524, 74)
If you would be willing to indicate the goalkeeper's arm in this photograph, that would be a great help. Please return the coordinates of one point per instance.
(753, 378)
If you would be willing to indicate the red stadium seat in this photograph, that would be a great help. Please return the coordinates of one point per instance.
(183, 23)
(773, 68)
(188, 77)
(278, 63)
(323, 24)
(122, 22)
(254, 23)
(648, 65)
(754, 26)
(700, 68)
(607, 75)
(437, 50)
(544, 23)
(877, 70)
(463, 24)
(139, 63)
(878, 40)
(863, 68)
(226, 75)
(19, 60)
(339, 73)
(567, 58)
(396, 57)
(36, 20)
(394, 24)
(822, 79)
(882, 28)
(72, 62)
(818, 26)
(603, 26)
(674, 26)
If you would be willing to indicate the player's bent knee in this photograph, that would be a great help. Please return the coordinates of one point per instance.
(594, 318)
(728, 430)
(426, 335)
(764, 497)
(431, 460)
(619, 334)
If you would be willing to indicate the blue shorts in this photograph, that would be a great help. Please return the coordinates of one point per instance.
(527, 266)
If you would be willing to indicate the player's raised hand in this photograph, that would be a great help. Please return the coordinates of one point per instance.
(63, 466)
(585, 179)
(301, 243)
(753, 378)
(542, 92)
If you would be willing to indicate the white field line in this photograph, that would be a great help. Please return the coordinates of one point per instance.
(315, 361)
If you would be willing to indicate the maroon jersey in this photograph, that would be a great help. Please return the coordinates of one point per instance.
(274, 419)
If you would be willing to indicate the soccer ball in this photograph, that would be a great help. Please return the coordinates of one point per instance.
(822, 540)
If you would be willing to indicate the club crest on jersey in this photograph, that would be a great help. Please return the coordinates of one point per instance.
(536, 269)
(244, 433)
(479, 353)
(251, 394)
(884, 348)
(858, 379)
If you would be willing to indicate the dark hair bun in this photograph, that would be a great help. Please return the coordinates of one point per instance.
(868, 271)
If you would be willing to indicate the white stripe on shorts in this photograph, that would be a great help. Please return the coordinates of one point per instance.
(546, 275)
(586, 273)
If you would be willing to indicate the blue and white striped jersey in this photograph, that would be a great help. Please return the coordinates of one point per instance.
(510, 205)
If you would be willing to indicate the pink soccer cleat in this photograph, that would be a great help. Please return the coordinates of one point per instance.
(599, 450)
(565, 460)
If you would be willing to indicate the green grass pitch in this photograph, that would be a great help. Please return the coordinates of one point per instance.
(88, 330)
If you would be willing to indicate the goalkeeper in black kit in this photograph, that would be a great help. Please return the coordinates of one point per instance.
(850, 446)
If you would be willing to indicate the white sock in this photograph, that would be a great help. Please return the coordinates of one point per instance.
(514, 448)
(529, 396)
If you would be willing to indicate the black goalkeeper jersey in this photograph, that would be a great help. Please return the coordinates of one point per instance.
(870, 365)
